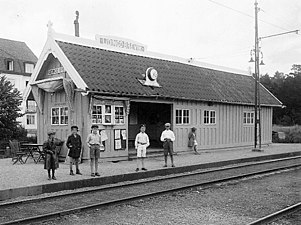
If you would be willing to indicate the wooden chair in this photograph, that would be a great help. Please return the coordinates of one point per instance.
(17, 154)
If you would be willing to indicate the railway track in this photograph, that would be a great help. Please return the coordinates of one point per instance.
(44, 208)
(277, 215)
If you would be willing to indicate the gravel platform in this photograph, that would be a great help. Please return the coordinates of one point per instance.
(235, 202)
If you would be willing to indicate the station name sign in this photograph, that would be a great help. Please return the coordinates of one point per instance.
(120, 43)
(55, 71)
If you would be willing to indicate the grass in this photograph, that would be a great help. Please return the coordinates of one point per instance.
(292, 133)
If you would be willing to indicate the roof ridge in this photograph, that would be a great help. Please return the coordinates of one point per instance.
(149, 54)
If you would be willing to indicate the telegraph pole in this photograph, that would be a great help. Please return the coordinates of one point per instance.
(257, 106)
(256, 115)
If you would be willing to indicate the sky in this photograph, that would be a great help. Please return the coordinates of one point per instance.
(219, 32)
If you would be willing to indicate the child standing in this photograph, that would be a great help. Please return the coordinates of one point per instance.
(192, 140)
(74, 143)
(51, 162)
(168, 137)
(141, 143)
(94, 142)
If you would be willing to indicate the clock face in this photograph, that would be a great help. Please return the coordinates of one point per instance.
(153, 74)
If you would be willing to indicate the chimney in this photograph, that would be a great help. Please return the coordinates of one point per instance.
(76, 24)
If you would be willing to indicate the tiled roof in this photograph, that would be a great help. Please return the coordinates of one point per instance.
(16, 50)
(118, 73)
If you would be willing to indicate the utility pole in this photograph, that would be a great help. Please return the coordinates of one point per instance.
(257, 106)
(257, 97)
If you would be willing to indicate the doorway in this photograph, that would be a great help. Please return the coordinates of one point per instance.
(154, 116)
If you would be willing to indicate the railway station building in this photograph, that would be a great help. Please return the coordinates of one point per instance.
(118, 84)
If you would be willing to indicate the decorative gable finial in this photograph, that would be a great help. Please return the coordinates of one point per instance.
(50, 29)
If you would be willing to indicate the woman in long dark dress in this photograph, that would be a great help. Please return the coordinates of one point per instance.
(51, 156)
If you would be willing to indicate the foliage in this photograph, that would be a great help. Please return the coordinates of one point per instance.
(10, 100)
(287, 88)
(292, 134)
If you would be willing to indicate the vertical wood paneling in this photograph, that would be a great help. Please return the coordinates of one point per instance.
(228, 131)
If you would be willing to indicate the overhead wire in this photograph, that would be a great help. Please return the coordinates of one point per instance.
(248, 15)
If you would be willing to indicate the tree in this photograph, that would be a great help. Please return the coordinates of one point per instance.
(287, 88)
(10, 100)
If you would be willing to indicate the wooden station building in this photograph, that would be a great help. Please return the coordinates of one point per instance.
(118, 85)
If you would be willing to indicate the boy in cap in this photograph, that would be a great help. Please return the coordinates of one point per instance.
(168, 137)
(94, 142)
(141, 143)
(74, 143)
(51, 162)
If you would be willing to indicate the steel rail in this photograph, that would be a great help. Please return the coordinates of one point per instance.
(274, 216)
(131, 183)
(131, 198)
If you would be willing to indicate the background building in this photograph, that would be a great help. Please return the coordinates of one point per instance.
(17, 63)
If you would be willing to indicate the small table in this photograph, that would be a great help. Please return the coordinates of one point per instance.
(31, 148)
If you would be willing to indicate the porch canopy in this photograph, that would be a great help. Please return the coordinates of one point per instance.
(52, 85)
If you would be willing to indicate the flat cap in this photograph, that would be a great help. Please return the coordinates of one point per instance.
(167, 124)
(51, 132)
(74, 127)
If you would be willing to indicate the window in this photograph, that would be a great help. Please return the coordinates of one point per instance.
(119, 115)
(64, 115)
(108, 114)
(10, 65)
(178, 116)
(55, 116)
(30, 119)
(31, 106)
(182, 116)
(248, 117)
(29, 67)
(209, 117)
(97, 114)
(59, 116)
(212, 117)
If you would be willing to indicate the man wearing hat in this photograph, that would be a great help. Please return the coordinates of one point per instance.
(74, 143)
(51, 158)
(168, 137)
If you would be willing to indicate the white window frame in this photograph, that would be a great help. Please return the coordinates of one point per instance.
(209, 117)
(30, 118)
(248, 117)
(10, 65)
(119, 116)
(61, 117)
(181, 116)
(28, 69)
(108, 115)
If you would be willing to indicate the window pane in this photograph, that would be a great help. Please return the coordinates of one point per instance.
(29, 67)
(178, 116)
(212, 117)
(206, 116)
(108, 119)
(108, 109)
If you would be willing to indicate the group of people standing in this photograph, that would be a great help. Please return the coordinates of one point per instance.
(74, 144)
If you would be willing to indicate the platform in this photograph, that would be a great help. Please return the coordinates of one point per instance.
(31, 179)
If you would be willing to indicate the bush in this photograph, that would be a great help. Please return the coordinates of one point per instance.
(292, 134)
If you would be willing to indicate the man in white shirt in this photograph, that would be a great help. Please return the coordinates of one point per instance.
(141, 143)
(168, 137)
(94, 143)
